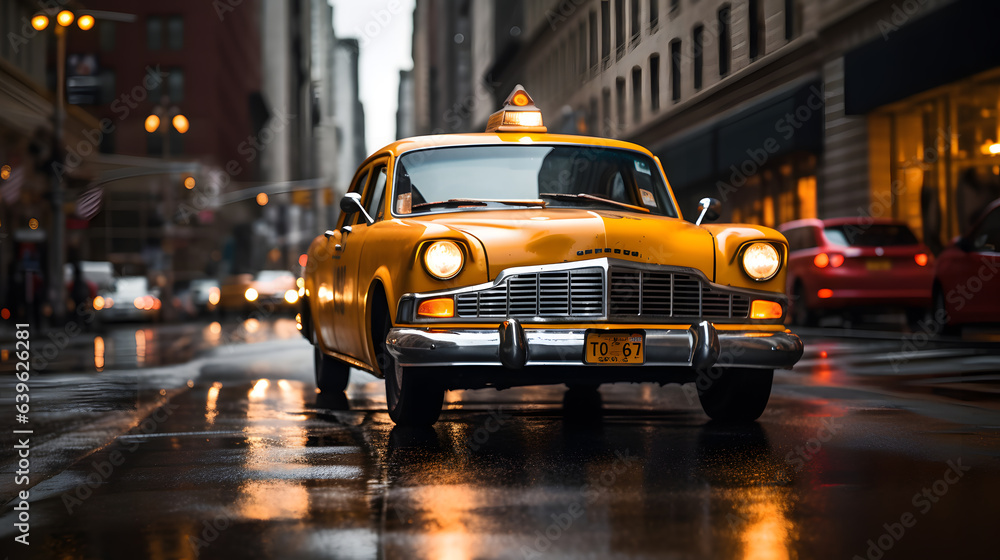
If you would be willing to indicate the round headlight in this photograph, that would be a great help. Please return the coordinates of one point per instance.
(251, 294)
(761, 261)
(443, 259)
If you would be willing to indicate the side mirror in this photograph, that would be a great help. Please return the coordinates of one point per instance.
(351, 204)
(708, 210)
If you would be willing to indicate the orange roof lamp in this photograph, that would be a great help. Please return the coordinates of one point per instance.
(519, 114)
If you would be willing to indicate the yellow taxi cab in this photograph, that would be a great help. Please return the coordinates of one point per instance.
(515, 257)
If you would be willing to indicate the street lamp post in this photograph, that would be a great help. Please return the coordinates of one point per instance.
(164, 117)
(57, 230)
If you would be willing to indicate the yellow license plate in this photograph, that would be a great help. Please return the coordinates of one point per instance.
(878, 264)
(615, 348)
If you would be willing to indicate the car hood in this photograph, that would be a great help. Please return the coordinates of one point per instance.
(514, 238)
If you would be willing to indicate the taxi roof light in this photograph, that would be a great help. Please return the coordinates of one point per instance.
(519, 114)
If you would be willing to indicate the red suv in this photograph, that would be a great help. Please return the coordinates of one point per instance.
(966, 287)
(849, 263)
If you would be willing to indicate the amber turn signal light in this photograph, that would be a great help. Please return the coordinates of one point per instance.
(440, 308)
(763, 309)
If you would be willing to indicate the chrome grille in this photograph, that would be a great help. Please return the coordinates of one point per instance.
(635, 293)
(632, 294)
(566, 293)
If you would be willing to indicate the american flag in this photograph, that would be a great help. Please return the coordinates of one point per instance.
(89, 203)
(10, 190)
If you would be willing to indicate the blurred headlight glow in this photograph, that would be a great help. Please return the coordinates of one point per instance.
(251, 294)
(443, 259)
(761, 261)
(214, 295)
(291, 296)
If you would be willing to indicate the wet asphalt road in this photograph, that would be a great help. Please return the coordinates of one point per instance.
(224, 450)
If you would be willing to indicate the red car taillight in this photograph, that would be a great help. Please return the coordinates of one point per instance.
(823, 260)
(921, 258)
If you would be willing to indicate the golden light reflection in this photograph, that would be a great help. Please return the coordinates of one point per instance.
(268, 500)
(259, 390)
(213, 397)
(251, 325)
(768, 532)
(140, 346)
(447, 509)
(284, 385)
(213, 333)
(99, 353)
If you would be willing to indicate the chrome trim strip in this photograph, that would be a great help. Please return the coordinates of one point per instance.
(700, 346)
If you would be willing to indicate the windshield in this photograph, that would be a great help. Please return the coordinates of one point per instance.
(469, 178)
(878, 235)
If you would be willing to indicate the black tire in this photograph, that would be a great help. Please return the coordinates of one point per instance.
(940, 310)
(737, 395)
(412, 399)
(331, 375)
(801, 314)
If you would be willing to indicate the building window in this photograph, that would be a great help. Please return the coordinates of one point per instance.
(675, 70)
(698, 44)
(154, 33)
(619, 28)
(172, 86)
(725, 41)
(606, 110)
(654, 82)
(620, 91)
(606, 30)
(636, 94)
(755, 28)
(592, 118)
(654, 14)
(106, 35)
(175, 33)
(791, 15)
(593, 39)
(636, 22)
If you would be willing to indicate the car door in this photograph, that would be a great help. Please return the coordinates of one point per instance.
(979, 272)
(329, 306)
(353, 283)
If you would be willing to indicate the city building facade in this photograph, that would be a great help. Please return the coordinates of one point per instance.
(782, 109)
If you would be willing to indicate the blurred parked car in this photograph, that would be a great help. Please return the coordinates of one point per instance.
(852, 263)
(966, 288)
(269, 289)
(205, 294)
(130, 300)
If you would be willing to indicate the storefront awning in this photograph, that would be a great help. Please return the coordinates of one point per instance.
(952, 43)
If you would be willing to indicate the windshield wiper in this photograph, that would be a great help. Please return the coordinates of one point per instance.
(453, 203)
(592, 198)
(459, 202)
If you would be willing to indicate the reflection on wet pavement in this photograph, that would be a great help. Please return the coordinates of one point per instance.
(251, 462)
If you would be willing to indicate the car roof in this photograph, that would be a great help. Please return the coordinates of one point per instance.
(862, 221)
(498, 139)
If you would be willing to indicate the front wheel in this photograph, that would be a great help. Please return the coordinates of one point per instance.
(331, 375)
(411, 399)
(737, 395)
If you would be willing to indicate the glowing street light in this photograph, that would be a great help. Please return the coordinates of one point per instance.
(65, 18)
(152, 123)
(85, 22)
(40, 22)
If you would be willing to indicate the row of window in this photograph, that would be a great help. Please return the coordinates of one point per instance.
(581, 51)
(172, 38)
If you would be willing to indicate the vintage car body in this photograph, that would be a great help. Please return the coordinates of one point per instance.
(654, 297)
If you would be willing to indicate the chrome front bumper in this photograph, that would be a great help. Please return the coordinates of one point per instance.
(513, 347)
